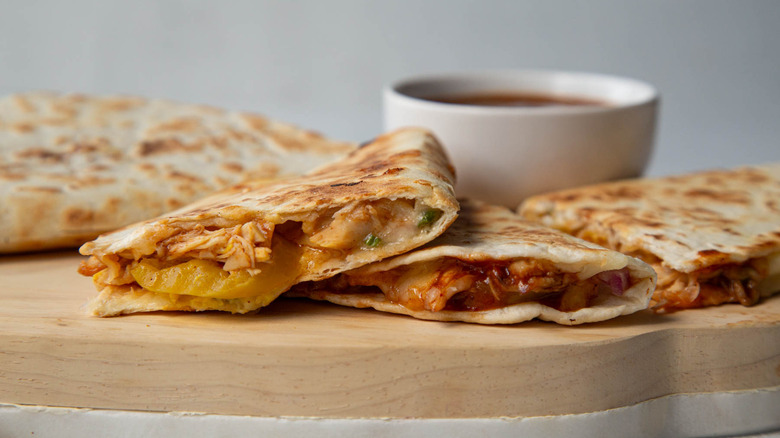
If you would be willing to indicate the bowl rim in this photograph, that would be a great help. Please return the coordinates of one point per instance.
(401, 90)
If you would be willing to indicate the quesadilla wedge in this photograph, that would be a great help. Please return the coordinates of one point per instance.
(82, 165)
(237, 250)
(713, 237)
(491, 267)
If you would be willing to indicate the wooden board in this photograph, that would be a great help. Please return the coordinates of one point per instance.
(299, 358)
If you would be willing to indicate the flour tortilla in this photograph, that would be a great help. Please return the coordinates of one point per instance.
(379, 190)
(73, 166)
(484, 234)
(686, 226)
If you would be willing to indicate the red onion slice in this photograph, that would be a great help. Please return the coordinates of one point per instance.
(616, 280)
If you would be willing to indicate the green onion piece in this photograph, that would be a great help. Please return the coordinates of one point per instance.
(428, 217)
(372, 241)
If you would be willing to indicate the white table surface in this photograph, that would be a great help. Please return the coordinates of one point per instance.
(751, 413)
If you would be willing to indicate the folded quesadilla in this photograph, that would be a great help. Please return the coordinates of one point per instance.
(237, 250)
(712, 237)
(491, 267)
(82, 165)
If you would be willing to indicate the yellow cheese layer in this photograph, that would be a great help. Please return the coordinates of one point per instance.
(206, 278)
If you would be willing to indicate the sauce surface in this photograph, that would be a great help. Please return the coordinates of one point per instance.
(516, 99)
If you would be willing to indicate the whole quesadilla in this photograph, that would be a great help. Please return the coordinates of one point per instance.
(238, 249)
(81, 165)
(713, 237)
(492, 267)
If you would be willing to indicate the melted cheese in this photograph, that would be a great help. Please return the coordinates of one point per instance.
(205, 278)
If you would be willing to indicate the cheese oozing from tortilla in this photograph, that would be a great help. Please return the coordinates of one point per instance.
(256, 258)
(453, 284)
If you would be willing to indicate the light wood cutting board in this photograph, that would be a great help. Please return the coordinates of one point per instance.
(299, 358)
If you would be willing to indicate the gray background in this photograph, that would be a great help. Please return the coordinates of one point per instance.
(321, 64)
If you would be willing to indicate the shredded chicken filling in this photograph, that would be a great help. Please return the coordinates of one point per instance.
(729, 283)
(248, 248)
(456, 285)
(710, 286)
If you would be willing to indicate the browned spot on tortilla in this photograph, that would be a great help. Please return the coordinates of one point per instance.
(65, 108)
(121, 103)
(177, 125)
(648, 223)
(346, 184)
(232, 167)
(186, 189)
(23, 127)
(751, 176)
(41, 154)
(629, 211)
(42, 189)
(166, 145)
(719, 195)
(708, 257)
(668, 191)
(713, 180)
(705, 215)
(405, 155)
(89, 146)
(23, 104)
(98, 168)
(10, 176)
(88, 181)
(219, 143)
(173, 203)
(292, 144)
(77, 217)
(565, 197)
(255, 122)
(236, 135)
(54, 121)
(624, 192)
(112, 205)
(184, 176)
(263, 171)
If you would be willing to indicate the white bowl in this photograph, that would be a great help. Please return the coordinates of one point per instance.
(505, 154)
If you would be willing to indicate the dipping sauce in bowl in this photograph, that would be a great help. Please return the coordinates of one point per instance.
(508, 98)
(517, 133)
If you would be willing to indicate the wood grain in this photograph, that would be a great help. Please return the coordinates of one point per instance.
(299, 358)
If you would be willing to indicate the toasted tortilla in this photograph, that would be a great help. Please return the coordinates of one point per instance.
(713, 237)
(237, 250)
(492, 267)
(81, 165)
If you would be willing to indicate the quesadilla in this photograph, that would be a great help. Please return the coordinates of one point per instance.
(713, 237)
(81, 165)
(237, 250)
(491, 267)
